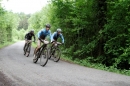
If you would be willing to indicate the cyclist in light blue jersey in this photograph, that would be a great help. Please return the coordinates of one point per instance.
(57, 35)
(42, 34)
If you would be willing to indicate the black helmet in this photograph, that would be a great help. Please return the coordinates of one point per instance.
(48, 26)
(32, 31)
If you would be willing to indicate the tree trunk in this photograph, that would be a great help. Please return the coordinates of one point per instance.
(102, 9)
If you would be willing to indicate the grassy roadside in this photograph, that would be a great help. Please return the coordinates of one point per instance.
(95, 65)
(7, 44)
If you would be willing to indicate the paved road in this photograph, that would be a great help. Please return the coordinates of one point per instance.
(18, 70)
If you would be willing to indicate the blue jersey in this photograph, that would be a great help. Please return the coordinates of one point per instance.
(43, 33)
(55, 36)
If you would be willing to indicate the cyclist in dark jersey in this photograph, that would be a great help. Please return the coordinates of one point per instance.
(28, 37)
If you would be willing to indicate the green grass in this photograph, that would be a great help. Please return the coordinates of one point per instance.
(34, 44)
(6, 44)
(95, 65)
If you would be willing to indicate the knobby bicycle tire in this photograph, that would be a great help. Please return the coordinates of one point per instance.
(44, 57)
(36, 56)
(25, 48)
(26, 52)
(57, 55)
(50, 53)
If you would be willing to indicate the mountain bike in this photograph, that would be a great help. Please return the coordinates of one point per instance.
(41, 53)
(27, 48)
(55, 52)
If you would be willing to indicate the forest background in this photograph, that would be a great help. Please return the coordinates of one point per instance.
(96, 32)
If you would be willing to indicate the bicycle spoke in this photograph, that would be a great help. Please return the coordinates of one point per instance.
(36, 56)
(28, 50)
(57, 55)
(44, 57)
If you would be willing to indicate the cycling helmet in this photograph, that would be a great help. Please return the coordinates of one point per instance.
(32, 31)
(48, 26)
(59, 30)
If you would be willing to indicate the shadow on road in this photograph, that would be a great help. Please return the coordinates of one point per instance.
(5, 81)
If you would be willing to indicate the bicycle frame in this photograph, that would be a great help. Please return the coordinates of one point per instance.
(28, 43)
(42, 53)
(53, 50)
(43, 45)
(56, 45)
(42, 48)
(27, 48)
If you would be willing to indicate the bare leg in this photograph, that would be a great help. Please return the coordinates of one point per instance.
(38, 46)
(25, 44)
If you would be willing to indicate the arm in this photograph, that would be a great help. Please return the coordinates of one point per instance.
(52, 37)
(50, 34)
(61, 36)
(34, 37)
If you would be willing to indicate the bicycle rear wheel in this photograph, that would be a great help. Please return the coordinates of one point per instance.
(44, 57)
(25, 48)
(57, 55)
(28, 50)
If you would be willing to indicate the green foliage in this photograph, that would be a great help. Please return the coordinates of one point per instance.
(38, 20)
(95, 28)
(6, 44)
(6, 25)
(88, 63)
(116, 34)
(18, 34)
(95, 31)
(8, 22)
(23, 21)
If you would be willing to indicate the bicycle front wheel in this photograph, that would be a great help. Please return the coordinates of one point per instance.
(57, 55)
(50, 53)
(44, 57)
(36, 56)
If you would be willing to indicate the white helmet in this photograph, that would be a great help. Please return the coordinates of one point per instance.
(59, 30)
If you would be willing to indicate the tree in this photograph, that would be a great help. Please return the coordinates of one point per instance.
(23, 22)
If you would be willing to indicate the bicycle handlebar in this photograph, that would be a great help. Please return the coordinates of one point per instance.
(44, 41)
(59, 43)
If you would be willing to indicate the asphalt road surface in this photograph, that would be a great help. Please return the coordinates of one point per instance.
(18, 70)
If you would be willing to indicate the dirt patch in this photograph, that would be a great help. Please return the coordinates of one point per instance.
(5, 81)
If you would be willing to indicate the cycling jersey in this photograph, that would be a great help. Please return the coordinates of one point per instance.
(28, 36)
(43, 33)
(55, 36)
